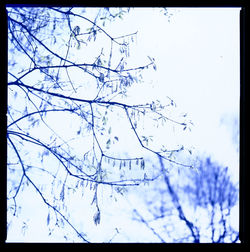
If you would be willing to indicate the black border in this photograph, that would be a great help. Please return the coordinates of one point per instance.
(3, 111)
(3, 124)
(243, 168)
(130, 3)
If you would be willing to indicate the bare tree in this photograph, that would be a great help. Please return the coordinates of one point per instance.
(213, 190)
(47, 81)
(194, 206)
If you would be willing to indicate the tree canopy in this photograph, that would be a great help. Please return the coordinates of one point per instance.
(68, 83)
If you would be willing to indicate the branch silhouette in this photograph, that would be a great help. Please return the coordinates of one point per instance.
(42, 85)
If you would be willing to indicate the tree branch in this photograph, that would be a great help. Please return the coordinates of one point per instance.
(193, 229)
(18, 83)
(40, 193)
(143, 146)
(146, 223)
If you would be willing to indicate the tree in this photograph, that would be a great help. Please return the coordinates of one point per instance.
(195, 206)
(68, 79)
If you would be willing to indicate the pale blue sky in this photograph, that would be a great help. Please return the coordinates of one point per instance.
(198, 62)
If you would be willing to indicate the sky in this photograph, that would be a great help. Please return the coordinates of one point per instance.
(197, 59)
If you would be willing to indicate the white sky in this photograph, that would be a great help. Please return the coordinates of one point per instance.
(197, 58)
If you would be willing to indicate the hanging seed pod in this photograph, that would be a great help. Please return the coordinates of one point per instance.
(142, 164)
(137, 161)
(97, 217)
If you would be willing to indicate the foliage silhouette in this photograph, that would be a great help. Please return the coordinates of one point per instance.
(47, 80)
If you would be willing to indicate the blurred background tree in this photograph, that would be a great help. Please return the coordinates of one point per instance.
(194, 205)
